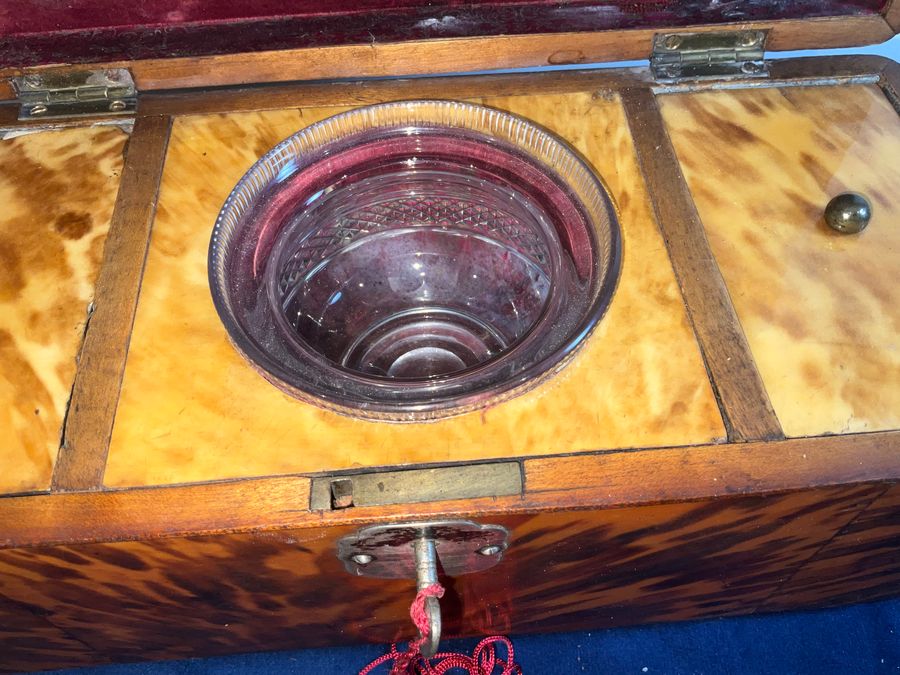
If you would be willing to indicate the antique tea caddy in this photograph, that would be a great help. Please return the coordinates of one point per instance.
(290, 322)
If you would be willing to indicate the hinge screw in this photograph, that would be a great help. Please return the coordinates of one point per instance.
(117, 106)
(671, 70)
(362, 558)
(749, 38)
(751, 68)
(673, 42)
(38, 109)
(492, 549)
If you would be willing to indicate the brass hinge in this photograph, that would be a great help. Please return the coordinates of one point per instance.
(82, 93)
(710, 55)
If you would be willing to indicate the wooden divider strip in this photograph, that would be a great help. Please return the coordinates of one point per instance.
(584, 481)
(148, 513)
(275, 96)
(675, 474)
(101, 364)
(744, 404)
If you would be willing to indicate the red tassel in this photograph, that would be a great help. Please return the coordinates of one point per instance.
(484, 660)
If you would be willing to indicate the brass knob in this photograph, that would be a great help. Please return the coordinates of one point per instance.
(848, 213)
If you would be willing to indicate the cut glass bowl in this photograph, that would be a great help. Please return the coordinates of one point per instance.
(413, 260)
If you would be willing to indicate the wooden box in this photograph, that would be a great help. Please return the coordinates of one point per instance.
(725, 443)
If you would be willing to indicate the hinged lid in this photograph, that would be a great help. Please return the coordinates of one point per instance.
(714, 54)
(175, 44)
(54, 94)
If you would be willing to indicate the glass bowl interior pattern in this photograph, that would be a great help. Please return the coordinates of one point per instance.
(412, 260)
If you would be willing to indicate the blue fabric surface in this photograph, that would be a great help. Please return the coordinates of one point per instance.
(859, 639)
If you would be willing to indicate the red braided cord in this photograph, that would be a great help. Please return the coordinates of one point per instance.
(418, 614)
(483, 661)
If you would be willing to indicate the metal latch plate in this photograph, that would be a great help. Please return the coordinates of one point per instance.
(54, 95)
(470, 481)
(387, 551)
(709, 55)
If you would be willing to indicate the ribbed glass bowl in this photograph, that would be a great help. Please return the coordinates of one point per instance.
(413, 260)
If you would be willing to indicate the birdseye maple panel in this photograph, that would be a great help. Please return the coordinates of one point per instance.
(57, 189)
(191, 409)
(821, 310)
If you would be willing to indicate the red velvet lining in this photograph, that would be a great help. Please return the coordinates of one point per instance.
(51, 31)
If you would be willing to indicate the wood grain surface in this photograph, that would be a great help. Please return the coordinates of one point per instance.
(102, 359)
(57, 189)
(691, 473)
(30, 642)
(703, 530)
(278, 96)
(563, 570)
(271, 503)
(48, 33)
(458, 55)
(596, 480)
(861, 563)
(639, 380)
(821, 310)
(275, 96)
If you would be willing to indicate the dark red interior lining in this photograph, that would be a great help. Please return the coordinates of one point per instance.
(33, 32)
